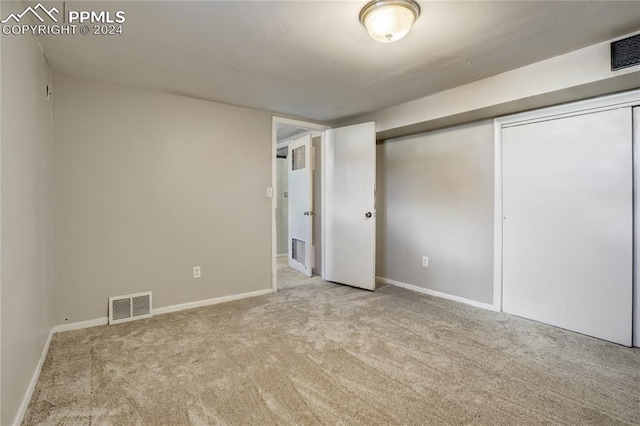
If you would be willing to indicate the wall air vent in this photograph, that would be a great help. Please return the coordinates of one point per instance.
(298, 250)
(625, 53)
(130, 307)
(297, 161)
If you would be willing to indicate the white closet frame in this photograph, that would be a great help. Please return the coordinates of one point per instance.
(620, 100)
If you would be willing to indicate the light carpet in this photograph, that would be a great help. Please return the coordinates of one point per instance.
(288, 277)
(330, 354)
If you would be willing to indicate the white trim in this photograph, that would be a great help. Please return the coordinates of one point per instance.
(440, 294)
(275, 120)
(208, 302)
(602, 103)
(81, 324)
(130, 297)
(274, 203)
(322, 203)
(497, 216)
(282, 255)
(159, 311)
(34, 380)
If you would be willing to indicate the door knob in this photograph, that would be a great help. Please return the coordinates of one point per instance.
(306, 213)
(367, 215)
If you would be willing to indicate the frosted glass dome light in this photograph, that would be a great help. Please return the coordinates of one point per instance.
(389, 20)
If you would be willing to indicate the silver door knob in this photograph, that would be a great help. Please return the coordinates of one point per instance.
(368, 215)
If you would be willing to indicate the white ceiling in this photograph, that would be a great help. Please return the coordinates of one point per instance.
(285, 131)
(313, 59)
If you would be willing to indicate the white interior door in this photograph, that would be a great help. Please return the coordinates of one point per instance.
(349, 205)
(568, 223)
(300, 205)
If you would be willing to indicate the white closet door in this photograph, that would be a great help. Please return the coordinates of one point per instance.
(568, 223)
(636, 284)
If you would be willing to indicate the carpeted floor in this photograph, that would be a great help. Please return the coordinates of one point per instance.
(288, 277)
(330, 354)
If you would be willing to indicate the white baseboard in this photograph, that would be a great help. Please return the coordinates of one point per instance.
(105, 320)
(207, 302)
(164, 310)
(34, 380)
(81, 324)
(436, 293)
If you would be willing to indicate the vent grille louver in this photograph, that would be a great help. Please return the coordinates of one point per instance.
(625, 53)
(298, 160)
(140, 306)
(121, 309)
(298, 250)
(130, 307)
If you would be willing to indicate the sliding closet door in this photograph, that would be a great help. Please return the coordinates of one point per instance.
(568, 223)
(636, 284)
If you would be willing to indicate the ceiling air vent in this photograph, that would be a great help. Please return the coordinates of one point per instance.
(129, 307)
(625, 53)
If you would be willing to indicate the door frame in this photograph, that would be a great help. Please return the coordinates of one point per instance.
(311, 126)
(603, 103)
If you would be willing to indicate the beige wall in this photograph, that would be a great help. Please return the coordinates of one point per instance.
(148, 185)
(26, 223)
(435, 199)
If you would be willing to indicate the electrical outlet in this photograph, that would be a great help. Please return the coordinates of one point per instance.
(197, 273)
(269, 192)
(425, 261)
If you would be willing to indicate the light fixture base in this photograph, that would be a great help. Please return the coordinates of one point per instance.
(377, 4)
(389, 20)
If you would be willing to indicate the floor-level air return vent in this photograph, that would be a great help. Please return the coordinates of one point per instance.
(129, 307)
(625, 53)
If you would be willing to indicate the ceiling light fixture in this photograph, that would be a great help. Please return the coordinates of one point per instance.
(389, 20)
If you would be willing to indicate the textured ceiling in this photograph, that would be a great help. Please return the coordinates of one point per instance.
(313, 59)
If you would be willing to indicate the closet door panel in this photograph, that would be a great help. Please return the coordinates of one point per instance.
(568, 223)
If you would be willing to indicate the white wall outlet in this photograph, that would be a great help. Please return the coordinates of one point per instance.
(269, 192)
(425, 261)
(197, 272)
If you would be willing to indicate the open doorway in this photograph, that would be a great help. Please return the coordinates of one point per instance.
(334, 233)
(298, 261)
